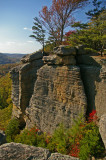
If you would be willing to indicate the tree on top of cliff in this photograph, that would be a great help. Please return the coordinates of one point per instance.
(93, 35)
(58, 16)
(38, 32)
(94, 13)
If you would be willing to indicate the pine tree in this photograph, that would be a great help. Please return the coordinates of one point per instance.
(94, 13)
(38, 32)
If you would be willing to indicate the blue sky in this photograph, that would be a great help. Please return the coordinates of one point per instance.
(16, 21)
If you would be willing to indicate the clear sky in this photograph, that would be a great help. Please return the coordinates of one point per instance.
(16, 21)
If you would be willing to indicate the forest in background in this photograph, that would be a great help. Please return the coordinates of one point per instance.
(5, 94)
(7, 58)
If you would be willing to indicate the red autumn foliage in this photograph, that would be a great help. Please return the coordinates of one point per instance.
(47, 141)
(93, 116)
(75, 150)
(67, 35)
(59, 16)
(33, 130)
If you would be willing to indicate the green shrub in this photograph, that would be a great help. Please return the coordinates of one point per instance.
(59, 140)
(42, 140)
(25, 138)
(91, 143)
(5, 91)
(12, 130)
(31, 137)
(84, 138)
(5, 117)
(75, 130)
(75, 135)
(90, 50)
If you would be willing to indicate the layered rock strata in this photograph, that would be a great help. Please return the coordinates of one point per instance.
(23, 79)
(93, 74)
(58, 95)
(54, 90)
(17, 151)
(102, 128)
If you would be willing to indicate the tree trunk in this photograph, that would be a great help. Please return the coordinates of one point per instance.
(61, 40)
(43, 49)
(102, 48)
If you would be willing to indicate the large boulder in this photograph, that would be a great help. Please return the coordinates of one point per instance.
(17, 151)
(59, 60)
(58, 156)
(64, 50)
(32, 57)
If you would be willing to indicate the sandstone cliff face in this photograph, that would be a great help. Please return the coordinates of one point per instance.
(23, 79)
(58, 97)
(93, 73)
(49, 93)
(102, 128)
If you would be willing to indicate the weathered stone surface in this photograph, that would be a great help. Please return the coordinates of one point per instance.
(100, 98)
(102, 128)
(50, 59)
(32, 57)
(64, 50)
(15, 84)
(54, 93)
(17, 151)
(60, 60)
(94, 78)
(58, 156)
(23, 79)
(58, 97)
(103, 70)
(2, 137)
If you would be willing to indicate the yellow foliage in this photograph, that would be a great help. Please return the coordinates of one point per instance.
(5, 117)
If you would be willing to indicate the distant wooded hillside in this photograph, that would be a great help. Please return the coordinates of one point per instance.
(6, 58)
(5, 68)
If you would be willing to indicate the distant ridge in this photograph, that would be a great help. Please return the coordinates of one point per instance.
(6, 58)
(14, 55)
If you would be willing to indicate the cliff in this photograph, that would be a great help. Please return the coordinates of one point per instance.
(23, 80)
(93, 74)
(57, 88)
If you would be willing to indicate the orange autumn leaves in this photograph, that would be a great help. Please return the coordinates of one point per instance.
(59, 16)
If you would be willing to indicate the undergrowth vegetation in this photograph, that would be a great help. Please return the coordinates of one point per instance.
(5, 117)
(82, 140)
(5, 91)
(5, 99)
